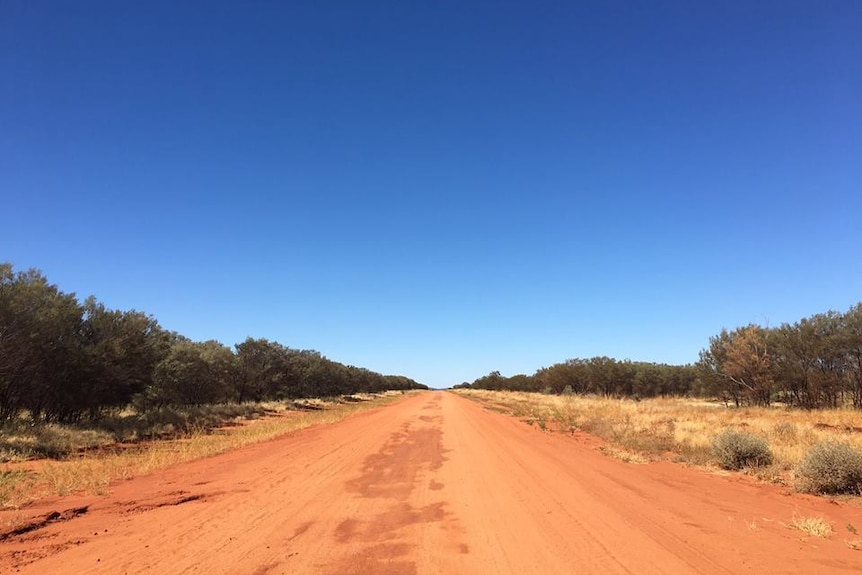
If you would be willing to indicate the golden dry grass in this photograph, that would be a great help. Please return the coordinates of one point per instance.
(683, 429)
(813, 526)
(93, 472)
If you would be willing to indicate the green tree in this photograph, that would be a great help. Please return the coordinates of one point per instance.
(606, 375)
(262, 368)
(193, 374)
(572, 375)
(853, 348)
(41, 362)
(832, 359)
(121, 351)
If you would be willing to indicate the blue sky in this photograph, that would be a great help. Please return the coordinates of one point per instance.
(440, 189)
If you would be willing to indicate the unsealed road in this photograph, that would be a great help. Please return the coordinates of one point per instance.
(434, 484)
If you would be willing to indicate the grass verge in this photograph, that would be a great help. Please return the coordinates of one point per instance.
(93, 471)
(769, 443)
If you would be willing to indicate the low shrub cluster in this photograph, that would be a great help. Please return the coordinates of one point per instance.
(767, 442)
(25, 439)
(93, 472)
(831, 468)
(737, 450)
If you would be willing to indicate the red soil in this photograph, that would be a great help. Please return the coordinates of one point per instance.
(432, 484)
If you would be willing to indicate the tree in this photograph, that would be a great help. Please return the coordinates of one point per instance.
(831, 363)
(853, 348)
(607, 376)
(649, 380)
(739, 366)
(40, 354)
(122, 349)
(794, 359)
(261, 369)
(193, 374)
(571, 375)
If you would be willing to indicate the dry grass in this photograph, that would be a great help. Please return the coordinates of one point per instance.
(20, 440)
(684, 429)
(23, 439)
(814, 526)
(623, 454)
(94, 471)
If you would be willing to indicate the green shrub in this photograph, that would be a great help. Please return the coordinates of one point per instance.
(22, 439)
(738, 449)
(831, 468)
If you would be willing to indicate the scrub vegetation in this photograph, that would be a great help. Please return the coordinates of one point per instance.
(79, 379)
(93, 470)
(63, 361)
(783, 403)
(810, 364)
(816, 451)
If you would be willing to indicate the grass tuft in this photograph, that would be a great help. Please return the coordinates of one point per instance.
(13, 482)
(814, 526)
(623, 455)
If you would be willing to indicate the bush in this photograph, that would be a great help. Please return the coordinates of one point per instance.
(738, 449)
(831, 468)
(23, 439)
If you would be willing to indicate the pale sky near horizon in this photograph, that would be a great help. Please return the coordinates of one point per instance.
(442, 189)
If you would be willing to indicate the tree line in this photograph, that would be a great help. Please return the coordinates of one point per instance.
(813, 363)
(600, 376)
(64, 360)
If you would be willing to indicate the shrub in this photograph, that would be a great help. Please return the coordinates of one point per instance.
(22, 439)
(738, 449)
(831, 468)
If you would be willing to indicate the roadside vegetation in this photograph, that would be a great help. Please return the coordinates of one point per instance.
(783, 403)
(87, 461)
(91, 388)
(816, 451)
(64, 361)
(810, 364)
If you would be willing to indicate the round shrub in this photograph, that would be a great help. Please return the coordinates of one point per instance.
(738, 449)
(831, 468)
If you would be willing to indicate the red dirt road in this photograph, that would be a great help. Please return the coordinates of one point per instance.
(433, 484)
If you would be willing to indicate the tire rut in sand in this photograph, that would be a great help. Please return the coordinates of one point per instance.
(405, 467)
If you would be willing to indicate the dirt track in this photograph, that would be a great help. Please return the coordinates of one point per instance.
(433, 484)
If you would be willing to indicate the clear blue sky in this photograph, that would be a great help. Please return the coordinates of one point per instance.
(439, 189)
